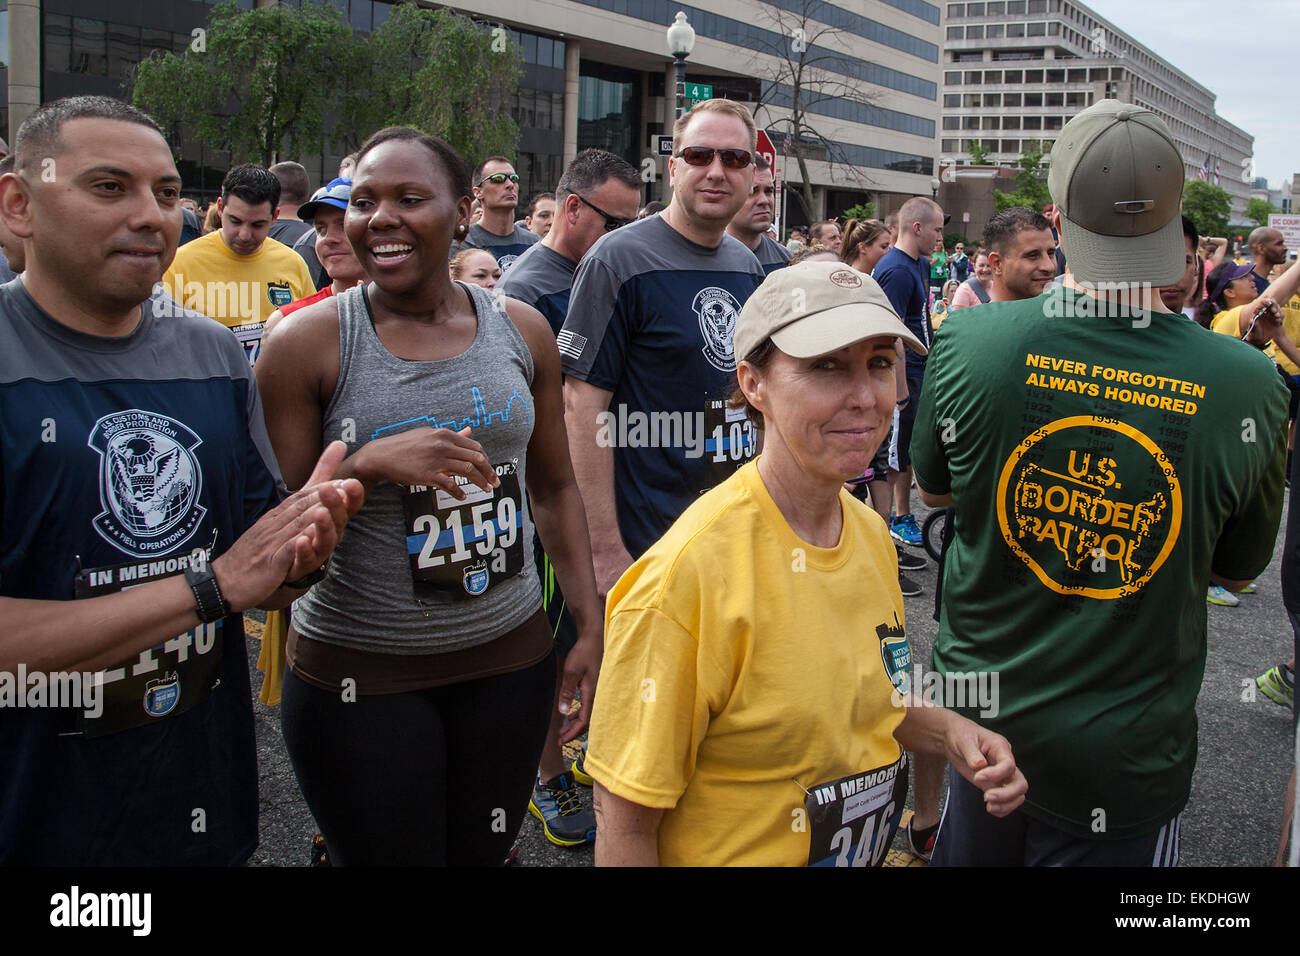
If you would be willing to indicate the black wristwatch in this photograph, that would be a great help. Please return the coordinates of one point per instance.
(307, 580)
(208, 600)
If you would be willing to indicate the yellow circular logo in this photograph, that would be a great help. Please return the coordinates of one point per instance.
(1091, 505)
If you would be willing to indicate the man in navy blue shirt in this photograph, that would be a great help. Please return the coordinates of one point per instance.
(1268, 249)
(646, 347)
(138, 517)
(904, 274)
(750, 225)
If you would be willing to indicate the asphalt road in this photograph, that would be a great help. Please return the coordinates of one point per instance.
(1232, 818)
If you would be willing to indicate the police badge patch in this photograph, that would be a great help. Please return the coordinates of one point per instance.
(149, 482)
(896, 654)
(717, 310)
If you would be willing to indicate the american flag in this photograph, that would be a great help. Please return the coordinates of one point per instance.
(1205, 169)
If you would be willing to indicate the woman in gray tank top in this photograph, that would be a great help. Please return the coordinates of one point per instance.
(421, 668)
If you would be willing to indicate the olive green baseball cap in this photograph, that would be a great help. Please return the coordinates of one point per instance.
(814, 308)
(1117, 178)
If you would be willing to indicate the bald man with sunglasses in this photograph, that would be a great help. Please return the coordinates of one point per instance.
(646, 346)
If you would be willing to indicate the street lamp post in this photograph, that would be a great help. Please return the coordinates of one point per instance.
(681, 41)
(934, 188)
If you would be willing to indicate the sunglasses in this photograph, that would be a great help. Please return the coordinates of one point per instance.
(611, 222)
(498, 178)
(703, 156)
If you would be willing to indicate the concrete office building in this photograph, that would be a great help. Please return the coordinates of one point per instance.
(597, 73)
(1015, 71)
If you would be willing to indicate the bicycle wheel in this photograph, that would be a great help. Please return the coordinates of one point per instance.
(932, 531)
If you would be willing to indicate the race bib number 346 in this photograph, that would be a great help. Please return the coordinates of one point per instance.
(460, 549)
(853, 819)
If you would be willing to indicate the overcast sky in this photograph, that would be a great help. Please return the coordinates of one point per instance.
(1222, 46)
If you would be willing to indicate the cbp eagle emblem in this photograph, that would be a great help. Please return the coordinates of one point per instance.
(149, 481)
(717, 310)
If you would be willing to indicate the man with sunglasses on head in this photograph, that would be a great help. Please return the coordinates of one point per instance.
(496, 187)
(646, 346)
(598, 193)
(751, 224)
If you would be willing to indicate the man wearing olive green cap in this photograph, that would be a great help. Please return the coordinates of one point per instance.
(1095, 449)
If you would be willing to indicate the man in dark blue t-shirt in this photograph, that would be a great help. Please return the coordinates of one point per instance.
(750, 225)
(904, 272)
(646, 346)
(1268, 249)
(134, 524)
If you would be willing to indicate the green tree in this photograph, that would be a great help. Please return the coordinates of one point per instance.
(1258, 210)
(1031, 183)
(979, 153)
(439, 72)
(1207, 206)
(258, 84)
(863, 210)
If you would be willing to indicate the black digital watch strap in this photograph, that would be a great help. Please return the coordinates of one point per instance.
(208, 600)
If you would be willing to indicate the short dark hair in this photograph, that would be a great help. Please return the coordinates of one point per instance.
(478, 170)
(1189, 232)
(444, 156)
(253, 184)
(591, 169)
(761, 164)
(295, 187)
(39, 135)
(652, 208)
(532, 203)
(1009, 223)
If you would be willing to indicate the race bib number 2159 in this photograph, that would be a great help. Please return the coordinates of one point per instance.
(461, 548)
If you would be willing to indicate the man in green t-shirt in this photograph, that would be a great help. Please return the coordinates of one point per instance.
(1106, 459)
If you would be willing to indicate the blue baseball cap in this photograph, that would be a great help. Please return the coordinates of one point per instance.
(334, 193)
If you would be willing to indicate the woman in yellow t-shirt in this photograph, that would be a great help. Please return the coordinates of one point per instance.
(755, 700)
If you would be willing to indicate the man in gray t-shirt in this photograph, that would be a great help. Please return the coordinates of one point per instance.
(750, 225)
(598, 193)
(496, 186)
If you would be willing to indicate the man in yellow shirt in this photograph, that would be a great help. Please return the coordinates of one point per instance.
(237, 275)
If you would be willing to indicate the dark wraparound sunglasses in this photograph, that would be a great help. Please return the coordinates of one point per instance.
(703, 156)
(498, 178)
(611, 222)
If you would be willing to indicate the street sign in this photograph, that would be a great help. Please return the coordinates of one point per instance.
(1289, 226)
(663, 145)
(698, 91)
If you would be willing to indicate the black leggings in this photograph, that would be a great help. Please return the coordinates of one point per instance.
(437, 777)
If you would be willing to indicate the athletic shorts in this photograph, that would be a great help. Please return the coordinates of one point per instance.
(563, 628)
(904, 418)
(970, 836)
(1294, 389)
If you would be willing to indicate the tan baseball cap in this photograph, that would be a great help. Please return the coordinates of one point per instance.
(814, 308)
(1117, 178)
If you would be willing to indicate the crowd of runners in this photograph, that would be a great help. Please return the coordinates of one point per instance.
(633, 479)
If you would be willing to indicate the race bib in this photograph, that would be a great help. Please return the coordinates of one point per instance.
(852, 820)
(460, 549)
(160, 682)
(250, 337)
(730, 440)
